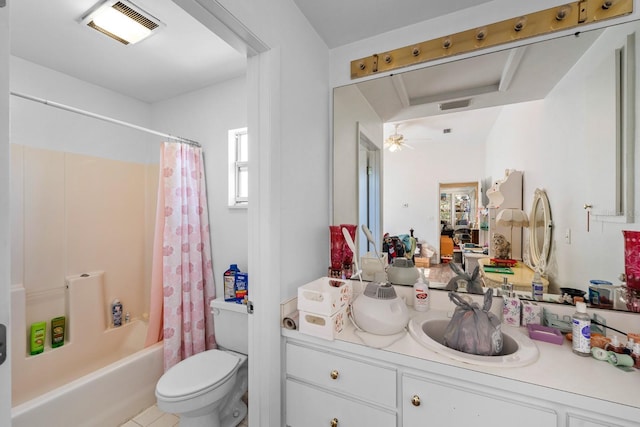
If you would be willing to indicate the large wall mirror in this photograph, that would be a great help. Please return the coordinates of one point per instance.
(561, 111)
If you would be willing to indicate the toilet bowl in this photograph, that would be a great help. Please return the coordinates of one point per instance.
(206, 389)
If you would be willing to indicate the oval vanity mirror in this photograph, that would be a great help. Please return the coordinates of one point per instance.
(539, 232)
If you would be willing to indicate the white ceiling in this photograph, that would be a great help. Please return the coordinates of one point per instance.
(184, 56)
(340, 22)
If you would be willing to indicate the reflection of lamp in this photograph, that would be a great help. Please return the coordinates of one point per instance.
(512, 217)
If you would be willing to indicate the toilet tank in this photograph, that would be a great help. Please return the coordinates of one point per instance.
(230, 323)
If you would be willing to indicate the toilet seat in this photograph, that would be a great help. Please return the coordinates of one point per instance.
(197, 375)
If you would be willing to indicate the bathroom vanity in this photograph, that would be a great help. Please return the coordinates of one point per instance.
(346, 382)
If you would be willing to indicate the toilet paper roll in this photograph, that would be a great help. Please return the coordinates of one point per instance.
(290, 321)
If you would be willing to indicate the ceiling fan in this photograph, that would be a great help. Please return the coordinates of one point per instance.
(396, 141)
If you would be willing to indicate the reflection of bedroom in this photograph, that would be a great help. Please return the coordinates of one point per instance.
(458, 219)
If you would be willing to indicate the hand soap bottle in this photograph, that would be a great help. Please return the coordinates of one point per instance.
(581, 330)
(421, 294)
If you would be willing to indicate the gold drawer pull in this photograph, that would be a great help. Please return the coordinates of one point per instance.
(415, 400)
(334, 422)
(334, 376)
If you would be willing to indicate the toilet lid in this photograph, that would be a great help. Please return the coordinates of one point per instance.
(197, 373)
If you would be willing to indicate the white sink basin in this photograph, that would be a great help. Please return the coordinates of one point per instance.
(518, 349)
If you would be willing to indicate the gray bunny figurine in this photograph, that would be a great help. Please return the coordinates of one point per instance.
(474, 282)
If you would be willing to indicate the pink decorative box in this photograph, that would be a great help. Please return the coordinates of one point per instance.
(511, 311)
(531, 313)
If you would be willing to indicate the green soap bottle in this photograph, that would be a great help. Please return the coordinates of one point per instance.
(57, 331)
(38, 332)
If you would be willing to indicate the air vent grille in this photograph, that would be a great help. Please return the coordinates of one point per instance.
(452, 105)
(139, 18)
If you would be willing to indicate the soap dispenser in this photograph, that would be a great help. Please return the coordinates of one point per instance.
(421, 294)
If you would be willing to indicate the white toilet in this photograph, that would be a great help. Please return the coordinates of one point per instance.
(205, 390)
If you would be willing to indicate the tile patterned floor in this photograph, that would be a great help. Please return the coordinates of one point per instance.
(154, 417)
(440, 273)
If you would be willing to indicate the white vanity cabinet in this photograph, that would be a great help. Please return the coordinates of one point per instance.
(345, 384)
(328, 389)
(450, 403)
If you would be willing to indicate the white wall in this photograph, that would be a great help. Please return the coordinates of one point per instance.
(206, 116)
(350, 108)
(559, 145)
(300, 157)
(42, 126)
(288, 224)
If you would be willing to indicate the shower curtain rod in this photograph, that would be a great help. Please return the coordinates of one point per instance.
(105, 118)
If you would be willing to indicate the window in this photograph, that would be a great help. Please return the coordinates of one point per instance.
(238, 168)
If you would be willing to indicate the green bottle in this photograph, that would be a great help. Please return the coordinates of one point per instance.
(38, 332)
(57, 331)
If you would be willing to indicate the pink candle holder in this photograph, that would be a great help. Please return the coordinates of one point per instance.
(347, 255)
(337, 246)
(632, 258)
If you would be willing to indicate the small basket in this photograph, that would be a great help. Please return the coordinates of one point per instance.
(324, 296)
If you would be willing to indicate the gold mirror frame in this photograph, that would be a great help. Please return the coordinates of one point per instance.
(540, 228)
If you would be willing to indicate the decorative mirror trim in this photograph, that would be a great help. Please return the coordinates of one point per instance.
(547, 21)
(538, 256)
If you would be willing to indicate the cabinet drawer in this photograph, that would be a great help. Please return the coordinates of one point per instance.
(451, 405)
(310, 407)
(368, 382)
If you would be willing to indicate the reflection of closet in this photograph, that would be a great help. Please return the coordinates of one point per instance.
(506, 193)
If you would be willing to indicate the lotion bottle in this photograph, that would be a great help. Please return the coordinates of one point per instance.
(537, 288)
(421, 294)
(581, 330)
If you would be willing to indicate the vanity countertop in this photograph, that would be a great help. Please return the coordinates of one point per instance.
(557, 366)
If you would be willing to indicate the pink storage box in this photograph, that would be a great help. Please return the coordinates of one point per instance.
(324, 296)
(326, 327)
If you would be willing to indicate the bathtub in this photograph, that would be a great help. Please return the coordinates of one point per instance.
(117, 383)
(101, 376)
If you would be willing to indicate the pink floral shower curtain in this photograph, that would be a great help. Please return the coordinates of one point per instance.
(182, 275)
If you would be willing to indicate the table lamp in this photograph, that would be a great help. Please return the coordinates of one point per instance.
(512, 217)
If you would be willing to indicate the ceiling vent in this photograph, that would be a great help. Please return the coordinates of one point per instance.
(122, 21)
(452, 105)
